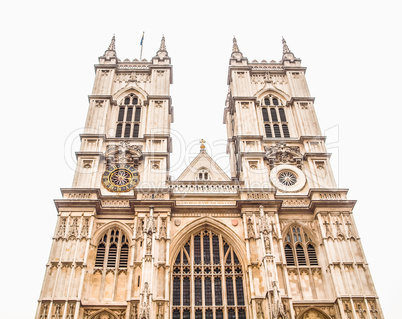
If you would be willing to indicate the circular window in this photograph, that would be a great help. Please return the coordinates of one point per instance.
(287, 178)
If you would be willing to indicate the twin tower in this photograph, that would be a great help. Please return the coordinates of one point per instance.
(275, 239)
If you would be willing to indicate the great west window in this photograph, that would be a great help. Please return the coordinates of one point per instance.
(208, 280)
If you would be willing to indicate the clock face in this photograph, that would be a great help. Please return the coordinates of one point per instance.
(120, 178)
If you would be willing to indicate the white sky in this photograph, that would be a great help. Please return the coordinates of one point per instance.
(48, 48)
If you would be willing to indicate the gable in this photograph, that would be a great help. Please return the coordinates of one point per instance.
(201, 164)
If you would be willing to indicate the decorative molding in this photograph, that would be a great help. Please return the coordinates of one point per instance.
(115, 203)
(184, 188)
(283, 154)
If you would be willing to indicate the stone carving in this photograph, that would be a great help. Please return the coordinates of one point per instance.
(350, 229)
(160, 314)
(295, 203)
(44, 312)
(57, 312)
(162, 229)
(326, 196)
(85, 228)
(123, 153)
(133, 312)
(277, 308)
(260, 313)
(283, 154)
(339, 232)
(244, 105)
(70, 313)
(73, 229)
(153, 196)
(374, 312)
(328, 232)
(254, 196)
(149, 246)
(360, 311)
(347, 310)
(145, 303)
(115, 203)
(62, 228)
(267, 243)
(140, 227)
(250, 228)
(191, 188)
(99, 103)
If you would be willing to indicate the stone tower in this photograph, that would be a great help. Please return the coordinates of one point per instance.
(275, 239)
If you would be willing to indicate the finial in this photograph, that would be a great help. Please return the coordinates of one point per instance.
(235, 46)
(163, 45)
(202, 146)
(112, 46)
(285, 46)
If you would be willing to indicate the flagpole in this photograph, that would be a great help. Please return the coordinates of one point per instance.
(142, 41)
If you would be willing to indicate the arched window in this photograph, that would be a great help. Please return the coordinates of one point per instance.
(203, 175)
(285, 130)
(268, 132)
(125, 119)
(279, 125)
(112, 251)
(277, 130)
(265, 115)
(274, 116)
(299, 248)
(282, 115)
(208, 279)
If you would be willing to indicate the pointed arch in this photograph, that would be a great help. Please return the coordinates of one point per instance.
(219, 279)
(103, 229)
(312, 309)
(104, 310)
(181, 238)
(308, 231)
(120, 94)
(266, 90)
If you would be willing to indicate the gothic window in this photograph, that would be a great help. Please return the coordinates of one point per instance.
(112, 251)
(208, 279)
(272, 122)
(299, 248)
(127, 124)
(203, 175)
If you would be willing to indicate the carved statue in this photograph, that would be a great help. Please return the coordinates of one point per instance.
(144, 306)
(250, 228)
(283, 154)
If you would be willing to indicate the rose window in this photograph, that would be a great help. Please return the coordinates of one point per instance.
(287, 178)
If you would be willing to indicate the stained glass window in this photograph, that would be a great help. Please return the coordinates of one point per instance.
(215, 268)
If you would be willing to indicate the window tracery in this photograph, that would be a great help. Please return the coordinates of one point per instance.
(112, 251)
(274, 126)
(207, 279)
(299, 248)
(127, 124)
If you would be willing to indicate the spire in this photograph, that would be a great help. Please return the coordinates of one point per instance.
(112, 46)
(285, 46)
(235, 46)
(162, 52)
(163, 44)
(287, 54)
(236, 54)
(110, 53)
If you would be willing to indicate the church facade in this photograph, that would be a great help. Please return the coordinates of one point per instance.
(275, 239)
